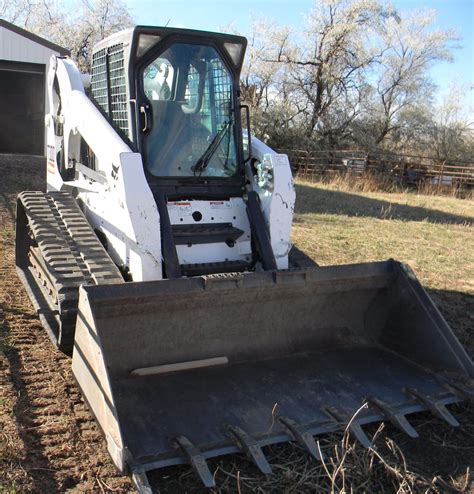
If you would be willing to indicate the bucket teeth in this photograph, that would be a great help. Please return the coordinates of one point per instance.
(196, 459)
(457, 388)
(394, 416)
(301, 435)
(357, 431)
(249, 445)
(141, 482)
(351, 424)
(435, 407)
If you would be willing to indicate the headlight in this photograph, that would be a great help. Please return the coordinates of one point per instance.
(264, 177)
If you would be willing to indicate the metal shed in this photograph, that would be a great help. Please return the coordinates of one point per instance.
(24, 59)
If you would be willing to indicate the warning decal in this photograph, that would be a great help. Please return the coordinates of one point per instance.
(220, 205)
(51, 162)
(184, 208)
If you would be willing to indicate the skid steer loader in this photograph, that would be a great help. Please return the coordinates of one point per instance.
(160, 258)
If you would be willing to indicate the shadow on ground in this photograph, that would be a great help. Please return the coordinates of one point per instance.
(35, 460)
(315, 200)
(19, 172)
(458, 310)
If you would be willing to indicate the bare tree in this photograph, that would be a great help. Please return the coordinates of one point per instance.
(77, 29)
(259, 78)
(328, 68)
(402, 79)
(264, 84)
(323, 68)
(16, 11)
(450, 132)
(358, 70)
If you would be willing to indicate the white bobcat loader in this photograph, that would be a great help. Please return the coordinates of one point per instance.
(160, 257)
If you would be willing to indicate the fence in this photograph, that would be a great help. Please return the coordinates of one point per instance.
(403, 169)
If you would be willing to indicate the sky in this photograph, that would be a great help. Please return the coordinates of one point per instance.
(213, 15)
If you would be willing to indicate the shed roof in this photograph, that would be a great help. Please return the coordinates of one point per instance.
(33, 37)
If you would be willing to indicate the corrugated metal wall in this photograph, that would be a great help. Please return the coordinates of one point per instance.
(20, 49)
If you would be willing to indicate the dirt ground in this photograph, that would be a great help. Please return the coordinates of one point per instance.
(49, 442)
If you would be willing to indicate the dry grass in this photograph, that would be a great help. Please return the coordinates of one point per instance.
(439, 461)
(49, 442)
(371, 182)
(431, 233)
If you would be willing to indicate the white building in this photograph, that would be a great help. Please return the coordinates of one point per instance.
(24, 59)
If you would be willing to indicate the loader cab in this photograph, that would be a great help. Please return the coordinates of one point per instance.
(174, 95)
(188, 116)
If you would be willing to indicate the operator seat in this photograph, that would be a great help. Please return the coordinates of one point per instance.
(172, 146)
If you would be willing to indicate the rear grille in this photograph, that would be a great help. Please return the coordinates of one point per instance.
(99, 79)
(109, 86)
(118, 89)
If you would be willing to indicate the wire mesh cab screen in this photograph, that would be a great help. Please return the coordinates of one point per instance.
(109, 87)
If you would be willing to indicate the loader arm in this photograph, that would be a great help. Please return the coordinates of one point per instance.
(113, 191)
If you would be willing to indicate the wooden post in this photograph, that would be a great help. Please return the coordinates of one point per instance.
(440, 179)
(307, 165)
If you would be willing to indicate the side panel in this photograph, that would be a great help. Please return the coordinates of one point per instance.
(88, 366)
(274, 185)
(127, 215)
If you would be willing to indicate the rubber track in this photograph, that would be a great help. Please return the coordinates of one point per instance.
(70, 253)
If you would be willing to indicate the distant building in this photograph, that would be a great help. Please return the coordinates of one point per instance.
(24, 59)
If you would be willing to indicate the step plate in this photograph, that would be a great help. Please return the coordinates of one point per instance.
(214, 267)
(206, 233)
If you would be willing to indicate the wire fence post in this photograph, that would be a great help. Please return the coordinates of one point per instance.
(440, 178)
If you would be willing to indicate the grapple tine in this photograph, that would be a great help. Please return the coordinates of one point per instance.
(435, 407)
(352, 425)
(250, 447)
(394, 416)
(196, 459)
(301, 435)
(456, 388)
(356, 430)
(141, 482)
